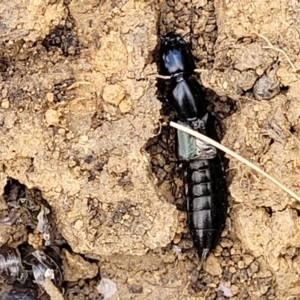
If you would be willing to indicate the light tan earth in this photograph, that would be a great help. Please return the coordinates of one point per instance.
(86, 152)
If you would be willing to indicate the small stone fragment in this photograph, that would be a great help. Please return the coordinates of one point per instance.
(218, 250)
(107, 288)
(212, 266)
(51, 117)
(160, 160)
(117, 165)
(50, 97)
(234, 289)
(113, 94)
(266, 87)
(248, 259)
(243, 275)
(226, 291)
(135, 289)
(83, 139)
(241, 264)
(125, 106)
(226, 243)
(5, 103)
(76, 267)
(253, 268)
(78, 225)
(56, 154)
(61, 131)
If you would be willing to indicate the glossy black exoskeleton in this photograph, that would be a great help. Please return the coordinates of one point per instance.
(204, 175)
(175, 55)
(205, 191)
(187, 98)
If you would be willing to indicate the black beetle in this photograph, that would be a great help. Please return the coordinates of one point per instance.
(204, 175)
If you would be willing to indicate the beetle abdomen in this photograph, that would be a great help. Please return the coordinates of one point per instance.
(205, 191)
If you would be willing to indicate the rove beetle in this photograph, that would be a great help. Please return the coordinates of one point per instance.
(203, 171)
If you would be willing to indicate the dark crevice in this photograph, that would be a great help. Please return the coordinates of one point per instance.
(298, 212)
(268, 210)
(284, 89)
(60, 90)
(292, 129)
(64, 39)
(3, 64)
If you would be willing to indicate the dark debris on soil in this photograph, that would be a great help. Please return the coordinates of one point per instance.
(23, 268)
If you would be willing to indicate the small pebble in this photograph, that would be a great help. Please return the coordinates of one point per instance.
(241, 264)
(226, 243)
(135, 289)
(5, 103)
(234, 290)
(243, 275)
(253, 268)
(248, 259)
(225, 253)
(194, 276)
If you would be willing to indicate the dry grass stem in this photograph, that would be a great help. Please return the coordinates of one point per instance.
(200, 70)
(163, 76)
(271, 46)
(235, 155)
(159, 130)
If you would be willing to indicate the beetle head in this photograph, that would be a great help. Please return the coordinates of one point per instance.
(172, 39)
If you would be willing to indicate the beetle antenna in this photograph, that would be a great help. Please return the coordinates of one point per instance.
(186, 35)
(158, 25)
(191, 23)
(191, 26)
(159, 22)
(191, 19)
